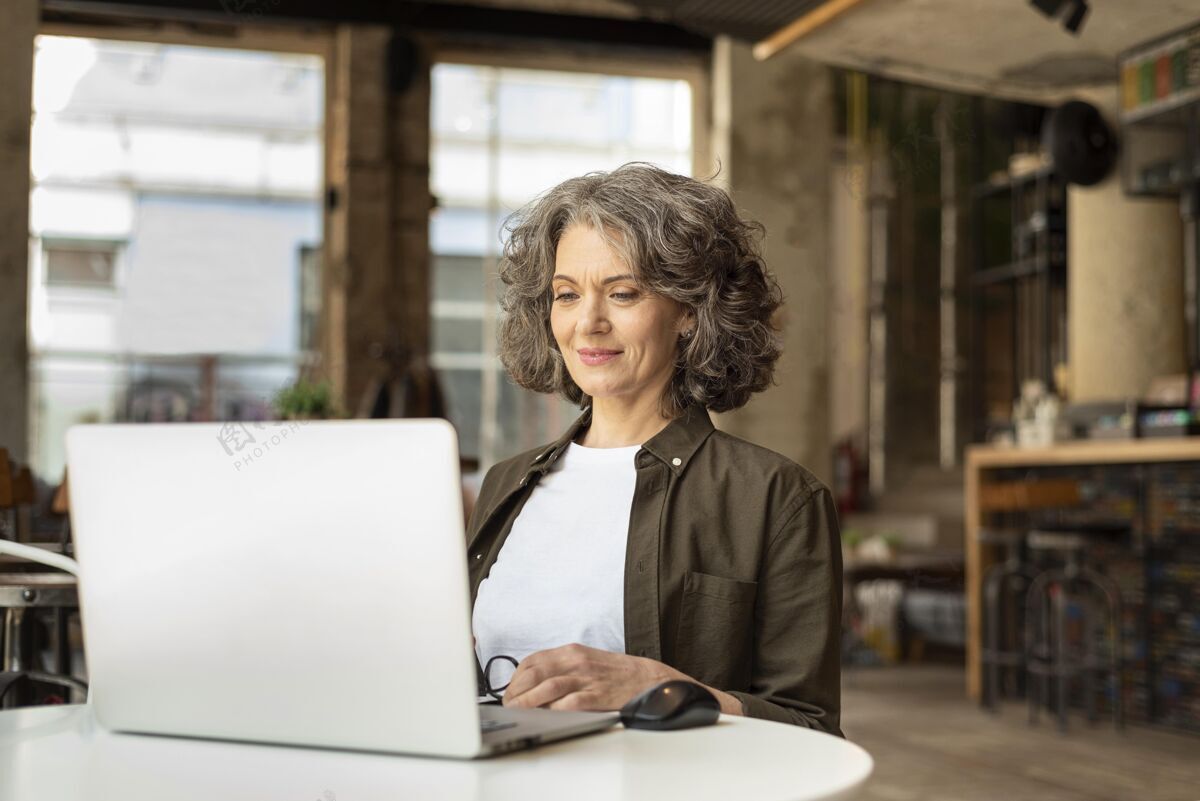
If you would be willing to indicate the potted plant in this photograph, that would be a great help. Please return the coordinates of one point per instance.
(306, 400)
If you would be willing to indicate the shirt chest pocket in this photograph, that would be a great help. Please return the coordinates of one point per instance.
(714, 643)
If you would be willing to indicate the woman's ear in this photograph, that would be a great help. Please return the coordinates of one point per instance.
(687, 323)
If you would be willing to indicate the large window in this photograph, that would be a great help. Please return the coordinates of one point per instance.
(176, 221)
(500, 137)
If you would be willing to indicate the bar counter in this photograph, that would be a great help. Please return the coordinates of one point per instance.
(1158, 487)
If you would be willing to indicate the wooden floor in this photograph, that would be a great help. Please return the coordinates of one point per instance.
(930, 743)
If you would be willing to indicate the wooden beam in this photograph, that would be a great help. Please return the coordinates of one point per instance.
(801, 27)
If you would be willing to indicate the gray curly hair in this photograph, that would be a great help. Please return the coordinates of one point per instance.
(685, 241)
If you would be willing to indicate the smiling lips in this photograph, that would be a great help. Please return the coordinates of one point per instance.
(597, 356)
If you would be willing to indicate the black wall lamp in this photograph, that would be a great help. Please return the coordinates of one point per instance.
(1073, 12)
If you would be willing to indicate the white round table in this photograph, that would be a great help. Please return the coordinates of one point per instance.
(59, 753)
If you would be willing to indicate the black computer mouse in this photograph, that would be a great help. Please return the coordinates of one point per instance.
(671, 705)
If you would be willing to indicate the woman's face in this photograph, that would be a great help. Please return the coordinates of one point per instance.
(618, 340)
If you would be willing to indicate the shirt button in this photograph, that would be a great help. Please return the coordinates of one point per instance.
(677, 461)
(478, 556)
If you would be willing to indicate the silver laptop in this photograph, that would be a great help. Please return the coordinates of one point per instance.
(292, 583)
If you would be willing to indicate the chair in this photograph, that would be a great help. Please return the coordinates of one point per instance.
(21, 595)
(1004, 608)
(1004, 588)
(1048, 652)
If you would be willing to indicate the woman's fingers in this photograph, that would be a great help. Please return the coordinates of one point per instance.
(575, 677)
(581, 701)
(527, 676)
(539, 666)
(545, 692)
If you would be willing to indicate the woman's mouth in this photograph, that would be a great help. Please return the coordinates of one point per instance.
(597, 356)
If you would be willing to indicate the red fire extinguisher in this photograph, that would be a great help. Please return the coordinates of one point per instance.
(845, 476)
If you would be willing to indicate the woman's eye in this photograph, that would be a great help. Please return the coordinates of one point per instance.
(621, 296)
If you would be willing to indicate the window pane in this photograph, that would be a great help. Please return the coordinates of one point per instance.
(529, 419)
(463, 398)
(457, 278)
(80, 266)
(573, 109)
(459, 175)
(452, 335)
(459, 106)
(461, 232)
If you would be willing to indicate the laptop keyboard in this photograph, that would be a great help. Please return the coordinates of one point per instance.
(489, 726)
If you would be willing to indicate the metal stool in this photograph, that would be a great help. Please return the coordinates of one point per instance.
(1004, 588)
(1047, 652)
(19, 593)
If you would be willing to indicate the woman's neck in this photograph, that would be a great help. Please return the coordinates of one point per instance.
(618, 424)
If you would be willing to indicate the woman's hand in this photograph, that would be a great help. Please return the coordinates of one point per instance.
(580, 678)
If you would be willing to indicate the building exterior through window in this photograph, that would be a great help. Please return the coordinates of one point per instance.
(176, 228)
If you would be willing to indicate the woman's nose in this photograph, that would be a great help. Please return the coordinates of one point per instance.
(593, 315)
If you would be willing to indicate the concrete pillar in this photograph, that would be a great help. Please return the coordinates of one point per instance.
(1124, 289)
(774, 131)
(19, 26)
(849, 261)
(409, 117)
(376, 287)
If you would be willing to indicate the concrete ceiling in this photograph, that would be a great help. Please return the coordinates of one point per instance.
(748, 20)
(1005, 48)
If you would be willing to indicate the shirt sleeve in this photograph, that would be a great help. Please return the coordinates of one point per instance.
(796, 675)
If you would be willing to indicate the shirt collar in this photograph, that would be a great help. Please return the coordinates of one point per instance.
(678, 442)
(548, 455)
(674, 445)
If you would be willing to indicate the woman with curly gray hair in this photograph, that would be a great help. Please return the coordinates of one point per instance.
(644, 545)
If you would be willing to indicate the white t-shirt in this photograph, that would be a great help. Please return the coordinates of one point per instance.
(560, 576)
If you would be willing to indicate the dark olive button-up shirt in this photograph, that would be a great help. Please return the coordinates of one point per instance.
(733, 566)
